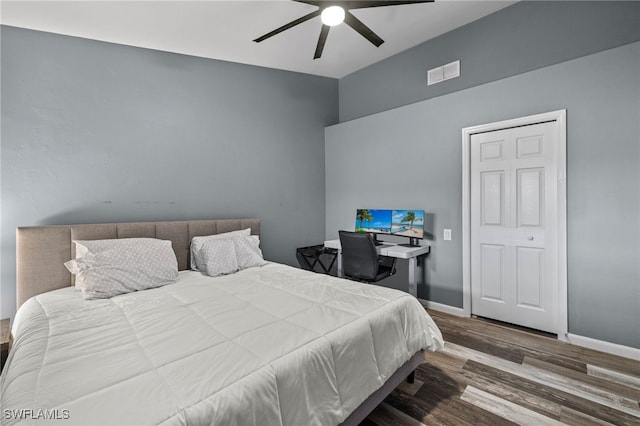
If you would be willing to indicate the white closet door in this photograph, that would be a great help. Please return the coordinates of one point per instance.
(513, 226)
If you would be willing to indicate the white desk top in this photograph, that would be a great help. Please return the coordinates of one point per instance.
(389, 249)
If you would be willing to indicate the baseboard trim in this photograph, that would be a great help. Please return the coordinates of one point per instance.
(603, 346)
(574, 339)
(451, 310)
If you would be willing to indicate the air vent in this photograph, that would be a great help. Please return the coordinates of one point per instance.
(445, 72)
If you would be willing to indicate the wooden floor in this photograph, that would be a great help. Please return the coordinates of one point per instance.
(493, 374)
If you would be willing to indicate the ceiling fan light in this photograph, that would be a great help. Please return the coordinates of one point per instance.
(332, 15)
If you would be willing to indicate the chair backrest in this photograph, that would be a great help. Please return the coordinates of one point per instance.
(359, 255)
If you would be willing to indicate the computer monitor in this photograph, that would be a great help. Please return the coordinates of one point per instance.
(408, 223)
(373, 221)
(402, 223)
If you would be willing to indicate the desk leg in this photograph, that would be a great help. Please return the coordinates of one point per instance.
(340, 264)
(413, 283)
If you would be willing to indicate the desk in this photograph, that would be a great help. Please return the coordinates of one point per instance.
(391, 250)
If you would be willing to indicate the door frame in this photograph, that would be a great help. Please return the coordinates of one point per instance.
(559, 116)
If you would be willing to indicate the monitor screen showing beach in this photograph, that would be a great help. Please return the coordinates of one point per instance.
(408, 223)
(375, 221)
(404, 223)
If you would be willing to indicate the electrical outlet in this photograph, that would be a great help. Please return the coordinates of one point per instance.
(447, 235)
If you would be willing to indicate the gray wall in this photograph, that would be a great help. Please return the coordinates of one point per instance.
(97, 132)
(517, 39)
(415, 156)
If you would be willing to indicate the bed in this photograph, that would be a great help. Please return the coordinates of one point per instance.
(268, 345)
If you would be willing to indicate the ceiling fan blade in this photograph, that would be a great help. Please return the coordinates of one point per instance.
(318, 3)
(361, 4)
(365, 4)
(289, 25)
(324, 32)
(360, 27)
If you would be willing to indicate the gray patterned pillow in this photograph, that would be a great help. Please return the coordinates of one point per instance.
(222, 256)
(198, 242)
(218, 257)
(248, 252)
(106, 268)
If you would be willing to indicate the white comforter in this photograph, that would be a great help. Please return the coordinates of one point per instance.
(273, 345)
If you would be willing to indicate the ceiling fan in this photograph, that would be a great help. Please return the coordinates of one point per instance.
(334, 13)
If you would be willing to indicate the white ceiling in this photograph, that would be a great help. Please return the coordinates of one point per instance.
(225, 29)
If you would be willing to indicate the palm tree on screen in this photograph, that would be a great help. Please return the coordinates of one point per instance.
(409, 217)
(363, 215)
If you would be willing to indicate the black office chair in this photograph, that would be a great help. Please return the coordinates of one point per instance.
(360, 260)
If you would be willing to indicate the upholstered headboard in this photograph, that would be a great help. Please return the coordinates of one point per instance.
(42, 250)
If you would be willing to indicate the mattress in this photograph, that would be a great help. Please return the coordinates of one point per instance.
(272, 345)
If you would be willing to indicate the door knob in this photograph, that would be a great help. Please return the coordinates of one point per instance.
(530, 238)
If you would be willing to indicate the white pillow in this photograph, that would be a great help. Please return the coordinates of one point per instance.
(106, 268)
(224, 256)
(218, 257)
(248, 252)
(197, 242)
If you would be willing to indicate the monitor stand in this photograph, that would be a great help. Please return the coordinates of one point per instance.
(376, 241)
(413, 242)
